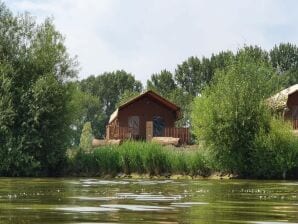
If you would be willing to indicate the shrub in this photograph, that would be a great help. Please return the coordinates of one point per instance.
(86, 137)
(230, 113)
(275, 152)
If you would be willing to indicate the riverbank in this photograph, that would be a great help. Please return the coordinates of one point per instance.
(143, 160)
(140, 158)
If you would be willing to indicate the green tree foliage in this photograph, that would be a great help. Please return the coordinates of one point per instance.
(163, 83)
(86, 137)
(108, 89)
(84, 107)
(193, 75)
(127, 96)
(34, 66)
(275, 152)
(284, 57)
(230, 113)
(47, 128)
(255, 53)
(189, 77)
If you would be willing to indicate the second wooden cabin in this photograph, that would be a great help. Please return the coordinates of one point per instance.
(145, 116)
(285, 103)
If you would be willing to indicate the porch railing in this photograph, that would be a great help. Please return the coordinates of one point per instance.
(118, 132)
(182, 133)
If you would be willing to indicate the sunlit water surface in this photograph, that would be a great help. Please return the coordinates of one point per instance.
(147, 201)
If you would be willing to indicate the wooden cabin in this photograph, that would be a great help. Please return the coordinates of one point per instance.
(285, 103)
(145, 116)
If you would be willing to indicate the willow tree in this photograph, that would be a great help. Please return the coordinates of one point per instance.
(34, 67)
(230, 113)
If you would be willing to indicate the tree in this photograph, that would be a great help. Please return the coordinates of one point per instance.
(86, 137)
(254, 53)
(127, 96)
(230, 113)
(47, 127)
(34, 66)
(84, 108)
(284, 57)
(162, 82)
(108, 89)
(189, 77)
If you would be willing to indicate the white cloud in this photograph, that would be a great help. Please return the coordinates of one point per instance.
(143, 37)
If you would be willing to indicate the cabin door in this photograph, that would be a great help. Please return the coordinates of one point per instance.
(158, 126)
(134, 125)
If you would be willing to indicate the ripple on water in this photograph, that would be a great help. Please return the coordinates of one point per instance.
(148, 197)
(137, 207)
(87, 209)
(188, 204)
(103, 182)
(153, 182)
(94, 198)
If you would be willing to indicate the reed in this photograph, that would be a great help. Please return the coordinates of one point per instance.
(138, 157)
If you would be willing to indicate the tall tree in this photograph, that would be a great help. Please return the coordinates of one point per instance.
(284, 57)
(85, 108)
(108, 88)
(189, 77)
(162, 82)
(36, 66)
(230, 113)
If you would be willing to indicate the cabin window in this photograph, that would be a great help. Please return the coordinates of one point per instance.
(134, 125)
(158, 126)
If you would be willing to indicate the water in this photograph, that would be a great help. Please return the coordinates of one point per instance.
(147, 201)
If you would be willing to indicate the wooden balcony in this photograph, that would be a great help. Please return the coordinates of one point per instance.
(118, 132)
(181, 133)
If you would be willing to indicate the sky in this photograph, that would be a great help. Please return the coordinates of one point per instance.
(144, 37)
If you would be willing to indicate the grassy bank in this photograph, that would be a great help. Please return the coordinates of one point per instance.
(143, 159)
(140, 158)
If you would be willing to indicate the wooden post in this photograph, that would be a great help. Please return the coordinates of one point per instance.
(108, 132)
(149, 130)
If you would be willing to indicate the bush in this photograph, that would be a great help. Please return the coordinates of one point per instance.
(275, 153)
(86, 137)
(230, 113)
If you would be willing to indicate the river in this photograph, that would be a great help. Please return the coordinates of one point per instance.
(86, 201)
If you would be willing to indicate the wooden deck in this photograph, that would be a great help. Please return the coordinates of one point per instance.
(117, 132)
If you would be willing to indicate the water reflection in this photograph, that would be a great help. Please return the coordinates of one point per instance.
(147, 201)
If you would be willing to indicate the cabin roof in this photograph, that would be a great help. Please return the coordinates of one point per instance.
(279, 100)
(151, 94)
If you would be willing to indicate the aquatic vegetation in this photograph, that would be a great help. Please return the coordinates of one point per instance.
(141, 158)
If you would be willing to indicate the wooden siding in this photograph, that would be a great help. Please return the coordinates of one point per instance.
(146, 108)
(116, 132)
(295, 124)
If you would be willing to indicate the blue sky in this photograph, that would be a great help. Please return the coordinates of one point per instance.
(144, 37)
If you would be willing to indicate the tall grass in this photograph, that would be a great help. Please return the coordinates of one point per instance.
(138, 157)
